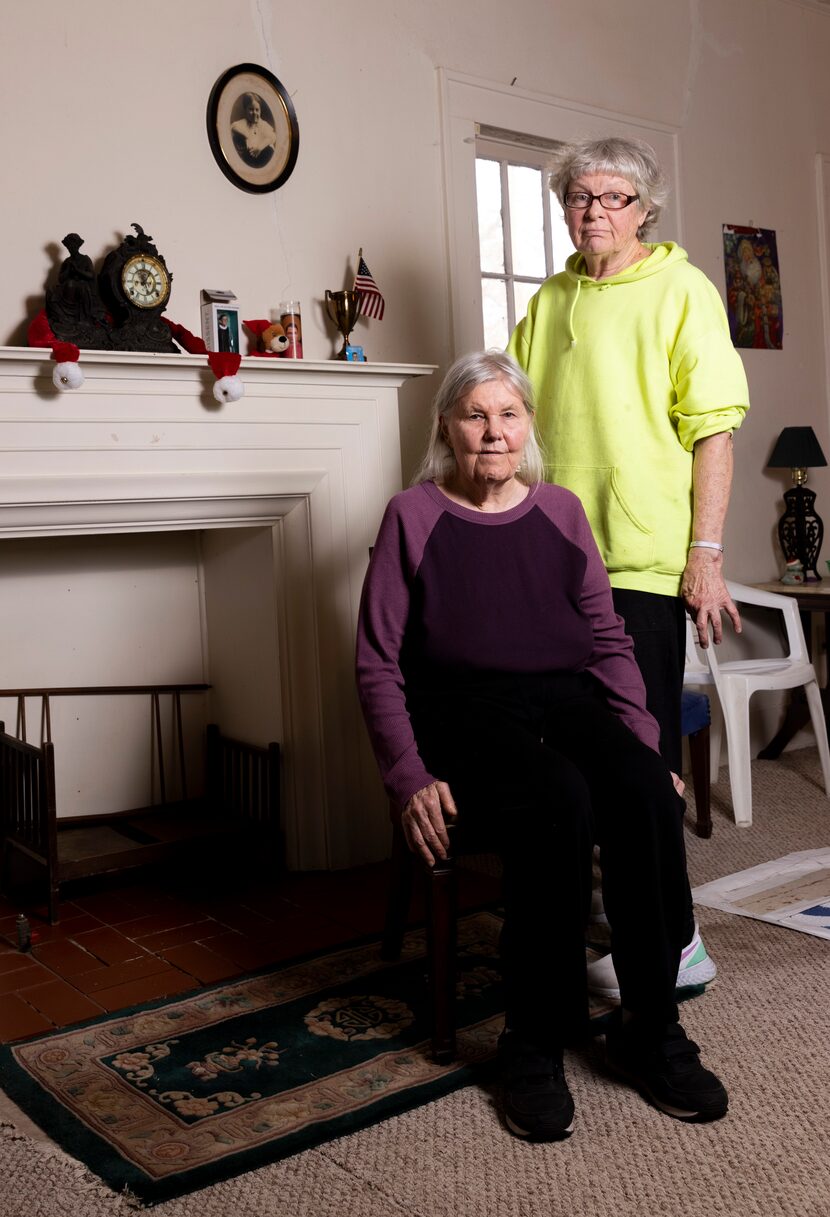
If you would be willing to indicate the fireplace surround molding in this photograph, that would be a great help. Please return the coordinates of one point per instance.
(311, 451)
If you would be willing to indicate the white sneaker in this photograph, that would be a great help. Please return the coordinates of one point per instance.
(696, 968)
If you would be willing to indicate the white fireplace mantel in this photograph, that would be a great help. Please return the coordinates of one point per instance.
(312, 450)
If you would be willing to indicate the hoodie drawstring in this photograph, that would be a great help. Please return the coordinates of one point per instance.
(572, 310)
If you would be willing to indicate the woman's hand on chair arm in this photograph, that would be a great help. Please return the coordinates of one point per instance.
(423, 821)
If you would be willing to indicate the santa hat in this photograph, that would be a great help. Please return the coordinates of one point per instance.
(223, 364)
(67, 373)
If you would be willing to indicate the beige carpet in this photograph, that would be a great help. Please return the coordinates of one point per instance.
(763, 1026)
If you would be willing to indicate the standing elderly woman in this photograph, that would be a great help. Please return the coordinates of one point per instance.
(639, 389)
(498, 683)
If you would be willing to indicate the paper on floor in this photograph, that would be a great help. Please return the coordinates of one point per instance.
(793, 891)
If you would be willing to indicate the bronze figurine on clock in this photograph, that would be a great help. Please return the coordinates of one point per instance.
(74, 307)
(119, 310)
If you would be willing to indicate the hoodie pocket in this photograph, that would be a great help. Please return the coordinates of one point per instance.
(624, 541)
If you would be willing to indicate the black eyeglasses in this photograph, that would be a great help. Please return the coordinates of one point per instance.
(611, 200)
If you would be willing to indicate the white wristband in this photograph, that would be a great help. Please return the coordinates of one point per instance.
(706, 545)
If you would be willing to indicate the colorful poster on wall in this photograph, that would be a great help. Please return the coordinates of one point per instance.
(753, 287)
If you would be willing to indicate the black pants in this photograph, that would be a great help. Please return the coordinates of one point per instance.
(657, 626)
(545, 769)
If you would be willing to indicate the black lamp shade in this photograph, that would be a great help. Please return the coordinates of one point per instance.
(796, 448)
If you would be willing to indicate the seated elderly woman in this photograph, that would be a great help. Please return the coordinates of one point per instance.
(497, 682)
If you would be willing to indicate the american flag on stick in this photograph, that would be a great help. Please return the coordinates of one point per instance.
(372, 303)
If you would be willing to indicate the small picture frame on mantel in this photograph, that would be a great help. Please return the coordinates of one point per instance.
(220, 320)
(252, 128)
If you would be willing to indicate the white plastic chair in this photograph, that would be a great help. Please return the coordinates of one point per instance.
(736, 680)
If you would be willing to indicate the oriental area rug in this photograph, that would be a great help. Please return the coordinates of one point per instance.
(173, 1095)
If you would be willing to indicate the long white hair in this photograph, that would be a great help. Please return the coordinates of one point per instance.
(466, 374)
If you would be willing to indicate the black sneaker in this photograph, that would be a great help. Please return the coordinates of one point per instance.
(537, 1102)
(667, 1071)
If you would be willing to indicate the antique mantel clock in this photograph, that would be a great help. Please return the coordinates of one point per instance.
(134, 283)
(121, 308)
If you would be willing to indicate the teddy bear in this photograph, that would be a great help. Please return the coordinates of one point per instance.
(274, 339)
(271, 337)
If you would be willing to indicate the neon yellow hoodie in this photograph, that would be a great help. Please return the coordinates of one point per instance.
(629, 373)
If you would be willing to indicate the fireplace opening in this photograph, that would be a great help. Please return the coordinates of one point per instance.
(110, 753)
(140, 609)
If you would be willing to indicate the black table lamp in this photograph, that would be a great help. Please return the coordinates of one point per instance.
(800, 530)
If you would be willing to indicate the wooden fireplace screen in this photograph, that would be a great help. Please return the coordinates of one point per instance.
(239, 813)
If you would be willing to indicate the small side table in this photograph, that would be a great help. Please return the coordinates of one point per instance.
(810, 598)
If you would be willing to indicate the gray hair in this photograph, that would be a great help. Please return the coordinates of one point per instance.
(632, 159)
(466, 374)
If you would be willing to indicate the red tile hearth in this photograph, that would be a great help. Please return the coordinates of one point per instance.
(127, 940)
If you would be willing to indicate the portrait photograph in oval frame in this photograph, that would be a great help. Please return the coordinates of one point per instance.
(252, 128)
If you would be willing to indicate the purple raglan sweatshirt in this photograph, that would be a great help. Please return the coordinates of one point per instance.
(452, 593)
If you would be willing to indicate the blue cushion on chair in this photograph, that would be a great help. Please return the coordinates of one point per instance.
(694, 712)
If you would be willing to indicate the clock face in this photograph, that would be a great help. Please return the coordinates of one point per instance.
(145, 281)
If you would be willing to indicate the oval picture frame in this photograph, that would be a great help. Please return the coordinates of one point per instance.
(252, 128)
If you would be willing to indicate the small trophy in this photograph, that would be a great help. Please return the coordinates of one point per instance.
(344, 310)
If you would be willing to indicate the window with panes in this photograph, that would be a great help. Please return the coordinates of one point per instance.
(523, 238)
